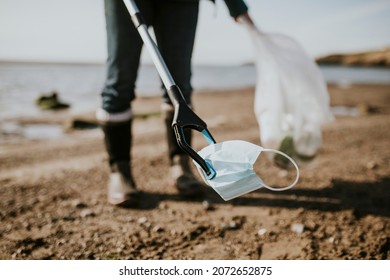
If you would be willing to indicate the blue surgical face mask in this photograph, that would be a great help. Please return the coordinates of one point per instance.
(233, 162)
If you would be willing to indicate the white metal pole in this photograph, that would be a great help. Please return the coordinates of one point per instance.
(131, 6)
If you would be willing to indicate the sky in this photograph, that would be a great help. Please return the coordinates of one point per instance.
(74, 30)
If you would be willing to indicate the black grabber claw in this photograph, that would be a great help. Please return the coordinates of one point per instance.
(185, 118)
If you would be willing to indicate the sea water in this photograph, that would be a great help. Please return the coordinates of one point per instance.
(80, 84)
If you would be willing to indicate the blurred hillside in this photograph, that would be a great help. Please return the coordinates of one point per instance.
(370, 58)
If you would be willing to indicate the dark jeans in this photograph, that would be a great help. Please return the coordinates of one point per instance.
(174, 24)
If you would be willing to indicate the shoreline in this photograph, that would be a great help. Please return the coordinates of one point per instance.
(142, 109)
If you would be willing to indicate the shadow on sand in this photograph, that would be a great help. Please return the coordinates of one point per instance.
(363, 198)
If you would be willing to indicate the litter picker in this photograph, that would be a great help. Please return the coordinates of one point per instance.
(184, 117)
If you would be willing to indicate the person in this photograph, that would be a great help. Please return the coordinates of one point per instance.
(174, 23)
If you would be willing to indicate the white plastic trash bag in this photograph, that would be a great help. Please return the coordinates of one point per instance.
(291, 101)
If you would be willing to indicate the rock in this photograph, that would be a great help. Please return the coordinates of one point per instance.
(207, 205)
(142, 220)
(87, 213)
(287, 147)
(146, 115)
(311, 225)
(371, 165)
(261, 231)
(233, 225)
(79, 123)
(364, 109)
(158, 229)
(283, 173)
(330, 230)
(163, 206)
(50, 101)
(297, 228)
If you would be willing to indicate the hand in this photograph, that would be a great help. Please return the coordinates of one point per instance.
(244, 18)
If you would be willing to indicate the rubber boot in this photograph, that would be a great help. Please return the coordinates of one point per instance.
(181, 173)
(121, 186)
(121, 189)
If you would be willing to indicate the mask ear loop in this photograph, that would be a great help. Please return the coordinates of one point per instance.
(295, 165)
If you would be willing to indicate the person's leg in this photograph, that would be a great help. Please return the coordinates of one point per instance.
(175, 27)
(124, 48)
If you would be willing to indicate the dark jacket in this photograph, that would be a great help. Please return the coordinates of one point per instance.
(236, 7)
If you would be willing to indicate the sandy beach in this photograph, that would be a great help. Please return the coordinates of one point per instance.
(53, 191)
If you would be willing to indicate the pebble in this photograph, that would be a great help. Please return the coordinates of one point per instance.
(261, 231)
(372, 165)
(233, 225)
(207, 205)
(87, 213)
(364, 109)
(297, 228)
(163, 206)
(142, 220)
(158, 229)
(311, 225)
(282, 173)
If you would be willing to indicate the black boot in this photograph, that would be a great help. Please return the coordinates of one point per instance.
(121, 187)
(181, 173)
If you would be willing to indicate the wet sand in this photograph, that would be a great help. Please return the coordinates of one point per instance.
(53, 191)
